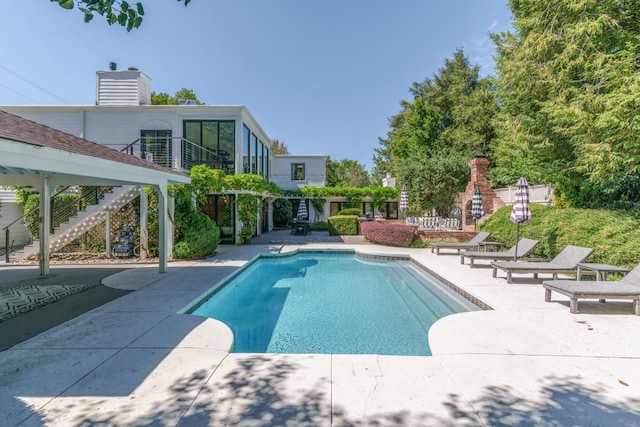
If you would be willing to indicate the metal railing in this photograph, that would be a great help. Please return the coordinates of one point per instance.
(60, 212)
(160, 150)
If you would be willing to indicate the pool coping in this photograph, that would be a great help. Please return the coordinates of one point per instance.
(135, 360)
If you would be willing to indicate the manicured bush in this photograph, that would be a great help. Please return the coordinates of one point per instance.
(614, 235)
(350, 211)
(198, 236)
(319, 226)
(388, 233)
(343, 225)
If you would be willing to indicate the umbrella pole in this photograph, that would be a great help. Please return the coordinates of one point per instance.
(475, 223)
(515, 255)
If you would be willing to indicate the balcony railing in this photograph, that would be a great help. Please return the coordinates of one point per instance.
(160, 150)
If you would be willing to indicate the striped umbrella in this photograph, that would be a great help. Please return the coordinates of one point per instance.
(404, 199)
(477, 210)
(521, 213)
(302, 209)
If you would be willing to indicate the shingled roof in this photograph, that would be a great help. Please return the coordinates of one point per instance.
(18, 129)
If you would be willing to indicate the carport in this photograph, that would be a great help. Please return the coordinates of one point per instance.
(41, 157)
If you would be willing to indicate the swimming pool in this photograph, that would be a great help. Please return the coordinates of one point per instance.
(331, 303)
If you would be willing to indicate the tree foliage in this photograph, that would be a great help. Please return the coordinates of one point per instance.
(114, 11)
(279, 147)
(163, 98)
(434, 136)
(569, 90)
(346, 173)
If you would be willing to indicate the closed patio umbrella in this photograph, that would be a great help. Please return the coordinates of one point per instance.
(477, 210)
(521, 213)
(302, 209)
(404, 199)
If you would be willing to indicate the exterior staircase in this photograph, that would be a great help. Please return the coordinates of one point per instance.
(83, 221)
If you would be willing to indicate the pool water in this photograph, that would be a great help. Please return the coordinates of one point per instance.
(331, 303)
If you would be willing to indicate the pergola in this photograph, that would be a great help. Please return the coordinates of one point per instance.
(41, 157)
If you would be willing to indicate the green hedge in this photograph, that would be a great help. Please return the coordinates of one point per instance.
(343, 225)
(350, 211)
(614, 235)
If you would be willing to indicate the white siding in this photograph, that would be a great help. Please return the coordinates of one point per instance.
(315, 171)
(69, 121)
(9, 212)
(130, 87)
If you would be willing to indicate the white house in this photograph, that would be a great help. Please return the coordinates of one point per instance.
(224, 137)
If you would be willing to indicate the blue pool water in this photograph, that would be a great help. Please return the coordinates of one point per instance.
(332, 303)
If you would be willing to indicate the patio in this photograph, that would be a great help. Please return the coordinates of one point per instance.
(135, 361)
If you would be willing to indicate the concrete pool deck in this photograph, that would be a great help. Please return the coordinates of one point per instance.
(135, 361)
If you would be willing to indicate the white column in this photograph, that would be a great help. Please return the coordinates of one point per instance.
(44, 221)
(107, 232)
(171, 205)
(144, 232)
(162, 225)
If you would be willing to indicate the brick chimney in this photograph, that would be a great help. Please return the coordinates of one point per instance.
(490, 202)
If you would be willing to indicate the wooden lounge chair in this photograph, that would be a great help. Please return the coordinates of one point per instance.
(458, 246)
(524, 246)
(627, 288)
(565, 263)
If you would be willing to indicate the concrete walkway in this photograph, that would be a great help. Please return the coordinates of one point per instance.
(135, 361)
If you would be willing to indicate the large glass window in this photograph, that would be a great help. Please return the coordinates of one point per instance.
(246, 149)
(266, 163)
(297, 172)
(254, 153)
(211, 142)
(226, 146)
(261, 159)
(156, 146)
(336, 207)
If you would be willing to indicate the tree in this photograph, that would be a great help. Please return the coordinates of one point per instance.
(346, 173)
(569, 89)
(163, 98)
(115, 11)
(433, 137)
(279, 147)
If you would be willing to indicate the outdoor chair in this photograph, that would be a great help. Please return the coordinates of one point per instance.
(627, 288)
(563, 263)
(458, 246)
(524, 246)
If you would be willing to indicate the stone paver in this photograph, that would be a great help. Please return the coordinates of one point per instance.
(135, 361)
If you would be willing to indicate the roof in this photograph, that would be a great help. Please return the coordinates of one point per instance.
(18, 129)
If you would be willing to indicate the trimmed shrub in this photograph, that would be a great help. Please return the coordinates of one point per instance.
(343, 225)
(614, 235)
(350, 211)
(319, 226)
(199, 236)
(388, 234)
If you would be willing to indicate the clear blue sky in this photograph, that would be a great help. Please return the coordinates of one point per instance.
(323, 76)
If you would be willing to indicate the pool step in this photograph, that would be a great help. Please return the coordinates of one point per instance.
(412, 283)
(413, 293)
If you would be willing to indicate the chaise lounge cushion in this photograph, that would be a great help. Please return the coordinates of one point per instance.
(458, 246)
(524, 246)
(627, 288)
(565, 262)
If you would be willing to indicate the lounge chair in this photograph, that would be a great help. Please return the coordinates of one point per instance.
(627, 288)
(564, 263)
(524, 246)
(458, 246)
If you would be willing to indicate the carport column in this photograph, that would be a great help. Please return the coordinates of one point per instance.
(43, 225)
(107, 232)
(162, 224)
(144, 233)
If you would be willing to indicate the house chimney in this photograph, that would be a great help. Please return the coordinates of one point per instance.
(112, 66)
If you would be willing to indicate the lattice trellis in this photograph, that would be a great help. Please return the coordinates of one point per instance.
(94, 240)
